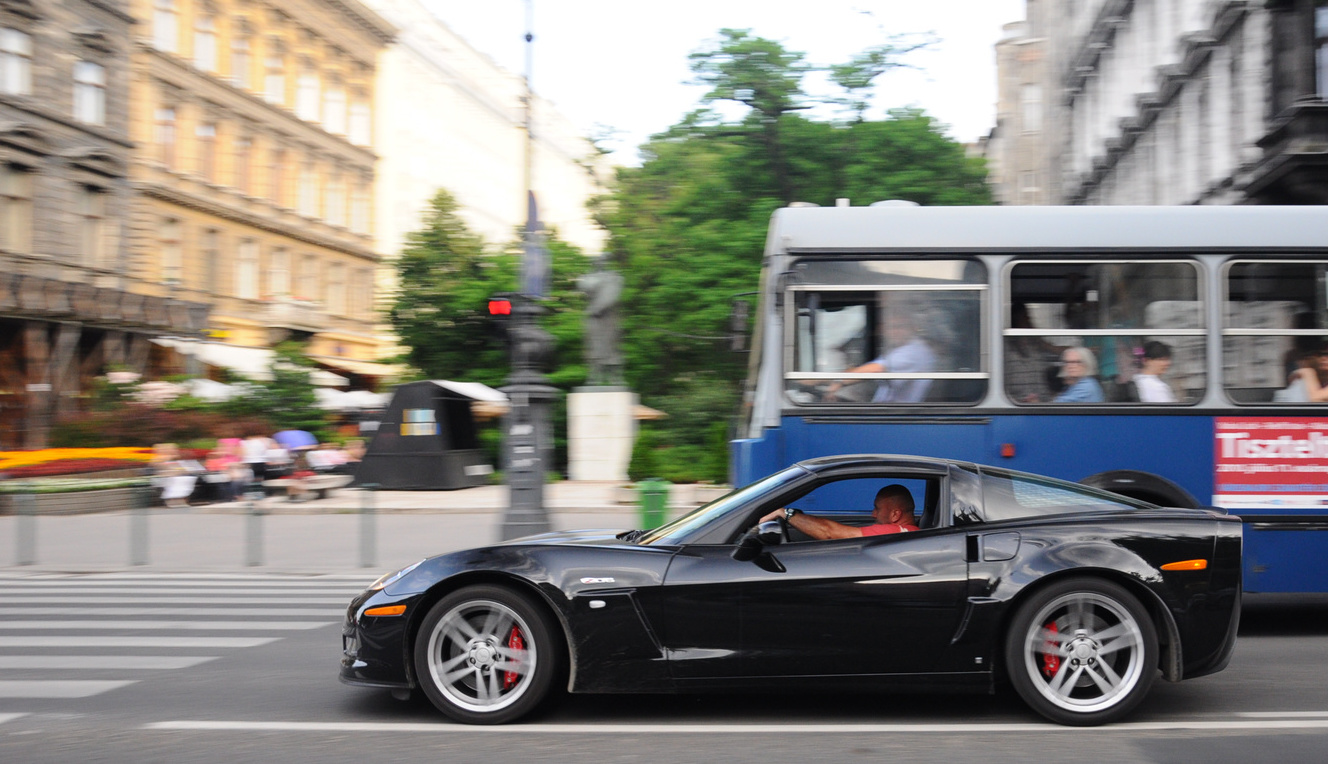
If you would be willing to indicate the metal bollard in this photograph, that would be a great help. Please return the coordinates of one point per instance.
(138, 527)
(368, 526)
(253, 544)
(25, 516)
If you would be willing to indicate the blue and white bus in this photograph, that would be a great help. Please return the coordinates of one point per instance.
(1152, 351)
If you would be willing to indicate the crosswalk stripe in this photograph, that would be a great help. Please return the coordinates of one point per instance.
(164, 625)
(200, 583)
(159, 611)
(97, 662)
(47, 640)
(60, 688)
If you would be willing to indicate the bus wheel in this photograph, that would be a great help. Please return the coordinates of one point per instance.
(1082, 652)
(1142, 485)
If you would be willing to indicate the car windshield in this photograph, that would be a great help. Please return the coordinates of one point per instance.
(677, 531)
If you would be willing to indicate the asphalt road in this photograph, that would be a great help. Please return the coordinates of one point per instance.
(242, 668)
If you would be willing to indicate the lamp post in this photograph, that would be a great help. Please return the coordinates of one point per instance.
(527, 445)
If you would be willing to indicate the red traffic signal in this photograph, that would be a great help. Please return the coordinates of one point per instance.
(500, 306)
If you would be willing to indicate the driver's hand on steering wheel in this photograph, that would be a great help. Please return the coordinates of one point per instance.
(777, 514)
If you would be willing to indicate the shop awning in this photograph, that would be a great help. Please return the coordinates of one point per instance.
(363, 368)
(249, 361)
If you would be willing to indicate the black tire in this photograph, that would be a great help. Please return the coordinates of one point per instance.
(487, 655)
(1082, 652)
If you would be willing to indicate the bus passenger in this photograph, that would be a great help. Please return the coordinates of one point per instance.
(1026, 360)
(892, 511)
(1079, 371)
(1157, 359)
(1309, 383)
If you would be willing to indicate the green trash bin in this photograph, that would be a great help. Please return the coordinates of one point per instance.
(654, 501)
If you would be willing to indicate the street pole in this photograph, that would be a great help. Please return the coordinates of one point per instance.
(527, 442)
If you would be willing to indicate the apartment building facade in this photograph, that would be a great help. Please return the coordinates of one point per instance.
(253, 124)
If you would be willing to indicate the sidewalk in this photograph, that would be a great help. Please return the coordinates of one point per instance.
(332, 535)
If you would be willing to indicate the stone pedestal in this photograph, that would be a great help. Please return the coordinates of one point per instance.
(601, 429)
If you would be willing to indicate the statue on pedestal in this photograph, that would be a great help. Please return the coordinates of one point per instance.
(603, 289)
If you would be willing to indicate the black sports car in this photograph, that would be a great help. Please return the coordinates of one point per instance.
(1078, 597)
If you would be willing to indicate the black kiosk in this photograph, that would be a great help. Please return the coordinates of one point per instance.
(427, 439)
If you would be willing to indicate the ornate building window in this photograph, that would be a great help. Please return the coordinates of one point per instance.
(278, 275)
(306, 94)
(246, 271)
(165, 26)
(15, 208)
(306, 199)
(240, 172)
(1299, 51)
(334, 202)
(205, 41)
(15, 62)
(211, 261)
(164, 135)
(92, 226)
(334, 108)
(276, 178)
(359, 208)
(274, 73)
(336, 289)
(364, 286)
(1321, 48)
(360, 130)
(241, 76)
(172, 252)
(206, 133)
(89, 93)
(1030, 102)
(306, 287)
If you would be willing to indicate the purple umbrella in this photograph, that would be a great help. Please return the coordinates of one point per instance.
(293, 439)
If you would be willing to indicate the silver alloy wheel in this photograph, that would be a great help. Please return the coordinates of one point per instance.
(1084, 652)
(471, 659)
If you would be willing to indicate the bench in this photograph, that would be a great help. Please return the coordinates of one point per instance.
(319, 485)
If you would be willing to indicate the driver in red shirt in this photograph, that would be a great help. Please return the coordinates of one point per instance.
(893, 512)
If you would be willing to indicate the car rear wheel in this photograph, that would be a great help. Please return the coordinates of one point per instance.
(486, 655)
(1082, 652)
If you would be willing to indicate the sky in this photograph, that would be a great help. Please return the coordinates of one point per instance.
(622, 66)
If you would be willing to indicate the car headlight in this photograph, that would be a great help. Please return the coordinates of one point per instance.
(392, 578)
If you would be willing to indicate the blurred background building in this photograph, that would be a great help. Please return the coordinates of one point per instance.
(449, 118)
(253, 131)
(71, 301)
(1167, 102)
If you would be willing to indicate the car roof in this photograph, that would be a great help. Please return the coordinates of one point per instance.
(888, 461)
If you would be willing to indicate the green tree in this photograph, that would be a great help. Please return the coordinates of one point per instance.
(441, 310)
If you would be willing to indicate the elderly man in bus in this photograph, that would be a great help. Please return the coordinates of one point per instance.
(908, 352)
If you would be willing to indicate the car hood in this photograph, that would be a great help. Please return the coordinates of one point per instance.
(594, 537)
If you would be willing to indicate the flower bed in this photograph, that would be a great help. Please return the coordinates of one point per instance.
(70, 461)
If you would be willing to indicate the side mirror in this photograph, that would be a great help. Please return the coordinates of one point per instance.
(749, 547)
(770, 532)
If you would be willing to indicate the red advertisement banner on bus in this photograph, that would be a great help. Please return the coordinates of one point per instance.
(1279, 462)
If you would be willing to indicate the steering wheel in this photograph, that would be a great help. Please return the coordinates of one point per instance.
(784, 529)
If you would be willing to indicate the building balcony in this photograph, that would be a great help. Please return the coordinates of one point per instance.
(295, 316)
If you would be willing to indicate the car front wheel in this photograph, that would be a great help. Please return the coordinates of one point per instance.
(486, 655)
(1082, 652)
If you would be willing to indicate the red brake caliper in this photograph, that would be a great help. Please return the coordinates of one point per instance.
(1051, 662)
(515, 642)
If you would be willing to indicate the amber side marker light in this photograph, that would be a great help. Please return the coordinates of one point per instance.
(1186, 565)
(386, 610)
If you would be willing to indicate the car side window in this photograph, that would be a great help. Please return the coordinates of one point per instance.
(1010, 496)
(850, 500)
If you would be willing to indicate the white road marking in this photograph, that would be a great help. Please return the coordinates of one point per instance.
(54, 688)
(1283, 714)
(9, 717)
(673, 729)
(90, 662)
(32, 590)
(234, 612)
(212, 582)
(41, 599)
(171, 642)
(164, 625)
